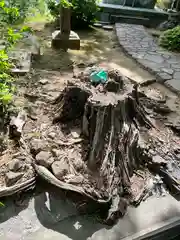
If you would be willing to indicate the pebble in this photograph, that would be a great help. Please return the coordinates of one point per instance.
(52, 135)
(15, 165)
(43, 81)
(44, 158)
(37, 145)
(56, 152)
(60, 169)
(76, 132)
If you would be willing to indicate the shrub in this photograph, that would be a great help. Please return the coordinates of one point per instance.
(170, 39)
(10, 36)
(83, 12)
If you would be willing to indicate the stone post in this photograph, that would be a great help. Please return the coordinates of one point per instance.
(65, 38)
(65, 21)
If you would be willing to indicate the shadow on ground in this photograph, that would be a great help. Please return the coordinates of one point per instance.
(97, 46)
(56, 212)
(50, 214)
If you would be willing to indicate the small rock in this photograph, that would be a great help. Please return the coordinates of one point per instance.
(37, 145)
(56, 152)
(12, 177)
(15, 165)
(60, 169)
(52, 135)
(43, 81)
(76, 132)
(159, 160)
(44, 158)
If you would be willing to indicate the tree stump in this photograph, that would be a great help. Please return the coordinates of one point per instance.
(111, 123)
(118, 146)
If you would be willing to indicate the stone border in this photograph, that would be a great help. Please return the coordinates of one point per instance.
(157, 230)
(138, 44)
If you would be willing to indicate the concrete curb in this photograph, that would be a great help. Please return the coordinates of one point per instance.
(158, 230)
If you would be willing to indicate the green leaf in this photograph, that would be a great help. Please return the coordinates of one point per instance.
(7, 98)
(2, 204)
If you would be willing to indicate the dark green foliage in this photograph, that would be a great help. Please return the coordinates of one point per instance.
(83, 12)
(170, 39)
(54, 8)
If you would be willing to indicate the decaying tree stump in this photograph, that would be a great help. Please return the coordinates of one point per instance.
(110, 122)
(118, 139)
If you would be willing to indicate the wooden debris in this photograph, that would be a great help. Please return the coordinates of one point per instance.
(8, 191)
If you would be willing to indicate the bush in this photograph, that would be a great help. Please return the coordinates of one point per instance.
(170, 39)
(83, 12)
(10, 36)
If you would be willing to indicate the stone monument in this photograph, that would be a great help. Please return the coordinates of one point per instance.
(65, 38)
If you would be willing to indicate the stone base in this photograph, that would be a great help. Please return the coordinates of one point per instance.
(58, 43)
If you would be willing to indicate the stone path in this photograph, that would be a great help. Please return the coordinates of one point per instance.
(143, 48)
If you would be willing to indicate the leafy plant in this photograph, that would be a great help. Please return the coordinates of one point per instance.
(170, 39)
(83, 11)
(66, 3)
(8, 14)
(10, 36)
(2, 204)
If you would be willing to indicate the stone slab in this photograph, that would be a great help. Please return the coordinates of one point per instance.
(58, 43)
(174, 85)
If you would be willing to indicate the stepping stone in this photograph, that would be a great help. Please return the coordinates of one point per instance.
(108, 27)
(99, 25)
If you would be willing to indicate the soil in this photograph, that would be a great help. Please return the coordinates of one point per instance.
(38, 90)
